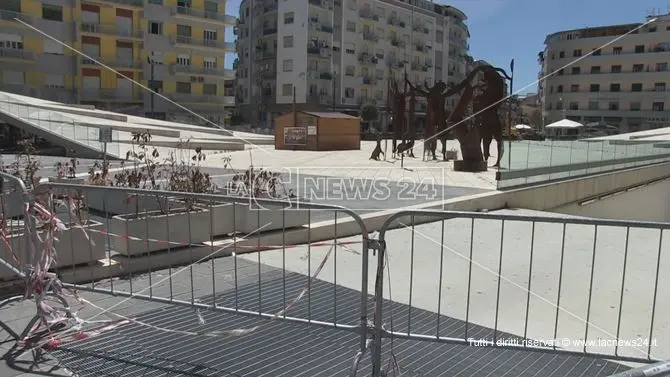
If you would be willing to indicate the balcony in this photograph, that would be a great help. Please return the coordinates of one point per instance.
(369, 80)
(368, 15)
(111, 95)
(128, 3)
(202, 99)
(397, 43)
(202, 43)
(114, 63)
(190, 70)
(269, 8)
(10, 53)
(269, 30)
(203, 15)
(263, 55)
(316, 25)
(370, 36)
(8, 15)
(92, 28)
(420, 47)
(326, 4)
(323, 51)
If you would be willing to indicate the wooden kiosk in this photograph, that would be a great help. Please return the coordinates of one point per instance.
(317, 131)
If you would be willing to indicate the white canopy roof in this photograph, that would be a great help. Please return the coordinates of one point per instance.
(523, 127)
(564, 123)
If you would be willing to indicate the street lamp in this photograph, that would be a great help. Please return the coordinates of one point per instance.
(261, 96)
(334, 89)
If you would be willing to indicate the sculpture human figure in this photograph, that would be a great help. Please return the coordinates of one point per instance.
(468, 137)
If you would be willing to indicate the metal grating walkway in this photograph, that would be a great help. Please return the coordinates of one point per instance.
(284, 348)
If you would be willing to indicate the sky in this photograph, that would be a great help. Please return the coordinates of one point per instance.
(501, 30)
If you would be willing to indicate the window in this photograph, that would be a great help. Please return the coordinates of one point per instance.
(576, 53)
(659, 87)
(52, 12)
(574, 88)
(349, 92)
(184, 60)
(54, 81)
(288, 41)
(439, 36)
(596, 52)
(657, 106)
(209, 89)
(635, 106)
(617, 50)
(576, 70)
(52, 47)
(287, 90)
(613, 105)
(595, 69)
(559, 105)
(209, 63)
(615, 87)
(636, 87)
(638, 67)
(184, 87)
(350, 70)
(155, 28)
(559, 89)
(615, 69)
(288, 18)
(183, 30)
(560, 72)
(573, 105)
(661, 67)
(287, 65)
(351, 26)
(561, 54)
(211, 7)
(594, 88)
(639, 49)
(593, 105)
(209, 35)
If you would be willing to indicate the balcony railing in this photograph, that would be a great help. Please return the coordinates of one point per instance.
(269, 8)
(116, 63)
(87, 27)
(16, 54)
(132, 3)
(262, 55)
(269, 30)
(320, 26)
(177, 68)
(397, 43)
(322, 51)
(370, 36)
(208, 43)
(327, 4)
(111, 95)
(369, 80)
(206, 99)
(8, 15)
(201, 13)
(368, 15)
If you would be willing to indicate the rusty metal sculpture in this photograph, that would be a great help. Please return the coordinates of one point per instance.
(436, 116)
(486, 105)
(397, 101)
(487, 124)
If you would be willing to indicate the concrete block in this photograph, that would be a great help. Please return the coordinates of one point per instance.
(152, 231)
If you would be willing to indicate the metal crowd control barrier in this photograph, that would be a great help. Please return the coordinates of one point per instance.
(573, 286)
(138, 235)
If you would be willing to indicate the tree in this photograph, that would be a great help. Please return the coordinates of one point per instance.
(369, 114)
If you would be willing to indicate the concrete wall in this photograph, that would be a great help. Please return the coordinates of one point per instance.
(646, 203)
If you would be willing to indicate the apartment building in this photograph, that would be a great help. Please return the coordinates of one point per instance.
(340, 53)
(624, 83)
(175, 47)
